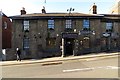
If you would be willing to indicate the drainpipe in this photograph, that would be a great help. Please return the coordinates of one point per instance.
(63, 49)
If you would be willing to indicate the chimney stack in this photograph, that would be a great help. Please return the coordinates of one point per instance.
(94, 9)
(43, 10)
(23, 11)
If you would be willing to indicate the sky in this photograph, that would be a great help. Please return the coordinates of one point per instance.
(13, 7)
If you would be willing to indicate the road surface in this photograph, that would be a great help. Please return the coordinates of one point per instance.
(87, 68)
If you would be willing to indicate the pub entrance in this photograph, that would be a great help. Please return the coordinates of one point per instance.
(68, 43)
(69, 46)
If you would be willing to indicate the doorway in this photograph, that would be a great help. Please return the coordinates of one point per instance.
(69, 46)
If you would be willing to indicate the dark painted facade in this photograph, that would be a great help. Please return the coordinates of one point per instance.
(43, 35)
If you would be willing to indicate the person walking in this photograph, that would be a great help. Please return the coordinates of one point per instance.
(18, 54)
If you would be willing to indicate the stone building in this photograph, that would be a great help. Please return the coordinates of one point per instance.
(41, 35)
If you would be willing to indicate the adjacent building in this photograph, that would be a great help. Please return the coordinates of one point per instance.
(0, 36)
(41, 35)
(6, 33)
(116, 8)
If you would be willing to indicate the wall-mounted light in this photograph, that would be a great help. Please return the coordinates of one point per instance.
(79, 33)
(75, 30)
(39, 35)
(57, 35)
(93, 32)
(106, 34)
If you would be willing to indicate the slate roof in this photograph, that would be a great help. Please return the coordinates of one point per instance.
(65, 15)
(55, 15)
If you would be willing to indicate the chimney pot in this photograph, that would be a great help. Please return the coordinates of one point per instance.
(43, 10)
(23, 11)
(94, 9)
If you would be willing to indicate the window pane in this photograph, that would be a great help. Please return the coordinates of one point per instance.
(86, 24)
(68, 24)
(26, 22)
(26, 43)
(26, 25)
(50, 24)
(109, 26)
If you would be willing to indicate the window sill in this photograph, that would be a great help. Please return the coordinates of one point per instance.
(51, 29)
(68, 29)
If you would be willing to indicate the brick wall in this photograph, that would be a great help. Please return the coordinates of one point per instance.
(6, 33)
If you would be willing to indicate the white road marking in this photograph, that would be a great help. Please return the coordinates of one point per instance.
(112, 67)
(108, 67)
(99, 67)
(87, 69)
(83, 69)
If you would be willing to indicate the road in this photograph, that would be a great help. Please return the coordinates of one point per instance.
(86, 68)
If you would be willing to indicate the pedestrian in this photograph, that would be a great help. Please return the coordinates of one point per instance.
(18, 54)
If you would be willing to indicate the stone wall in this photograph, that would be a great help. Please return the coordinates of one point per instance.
(38, 33)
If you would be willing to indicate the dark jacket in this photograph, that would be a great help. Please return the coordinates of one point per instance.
(19, 52)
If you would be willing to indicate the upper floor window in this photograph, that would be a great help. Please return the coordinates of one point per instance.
(109, 26)
(86, 24)
(68, 24)
(26, 25)
(51, 24)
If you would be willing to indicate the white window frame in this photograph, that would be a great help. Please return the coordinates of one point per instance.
(26, 43)
(26, 25)
(68, 24)
(86, 23)
(51, 23)
(109, 26)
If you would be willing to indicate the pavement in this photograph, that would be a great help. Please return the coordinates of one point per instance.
(57, 60)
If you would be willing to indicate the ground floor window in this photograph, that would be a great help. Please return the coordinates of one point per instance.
(26, 43)
(26, 46)
(51, 42)
(86, 42)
